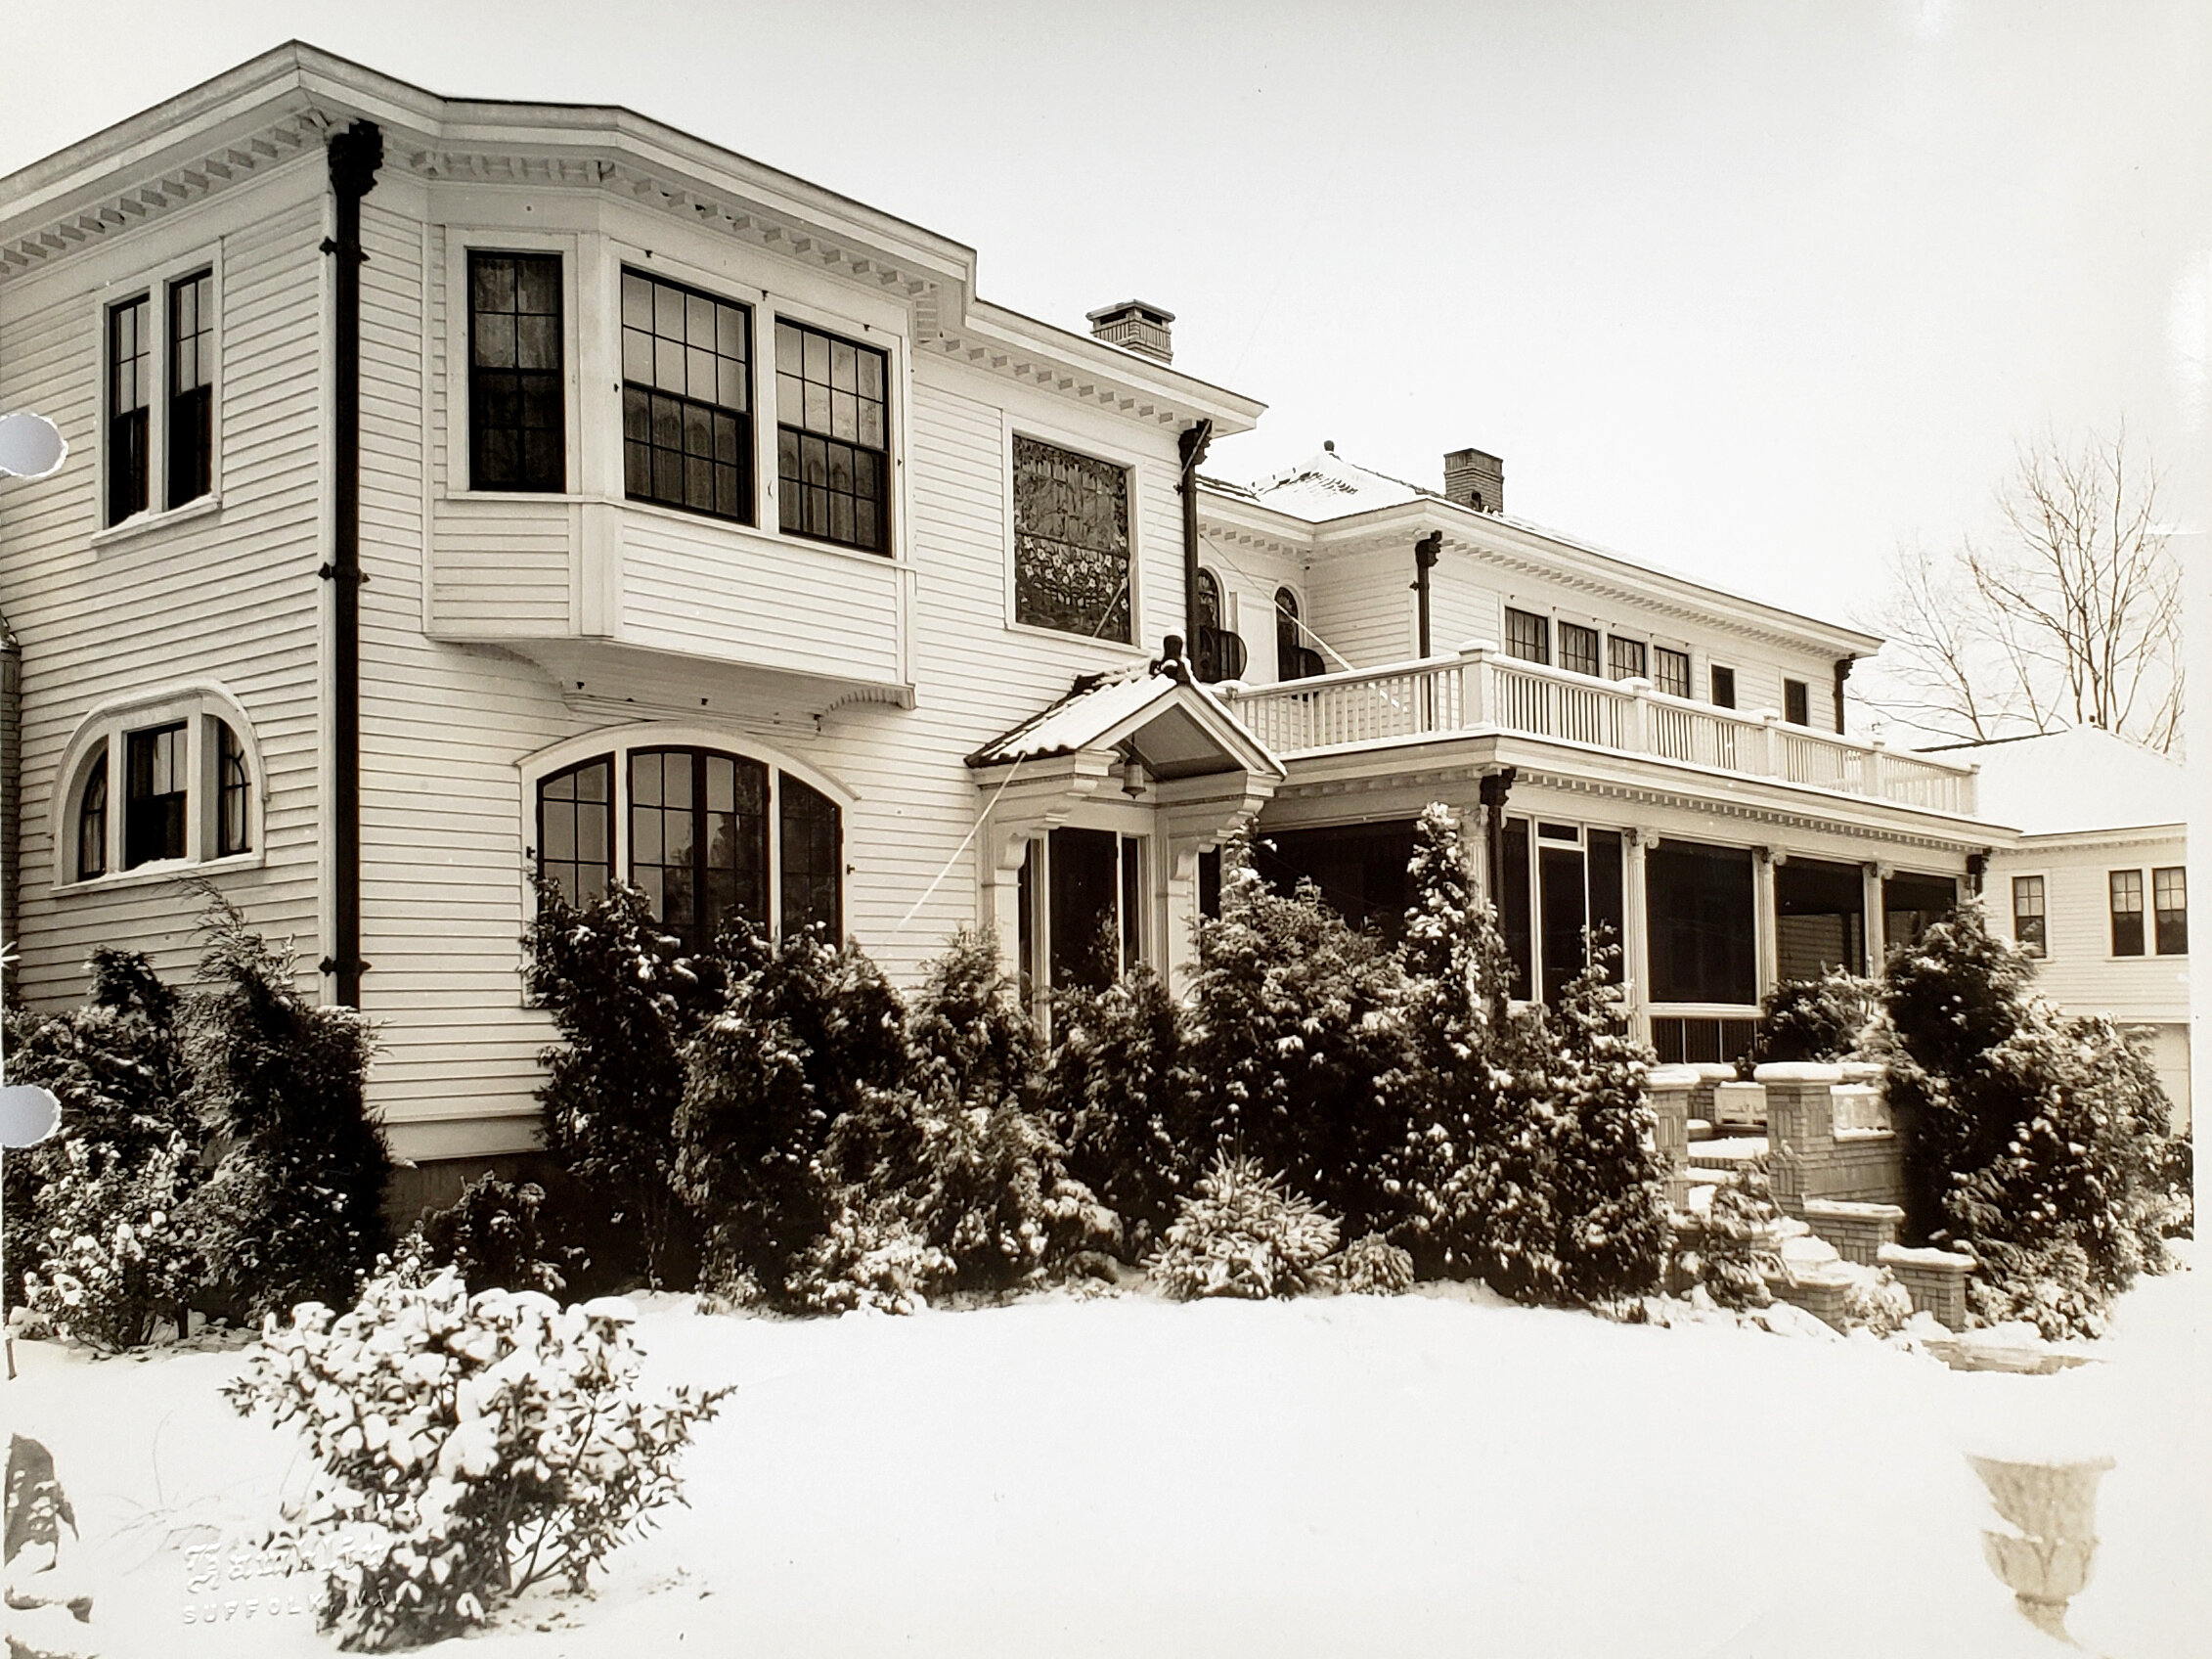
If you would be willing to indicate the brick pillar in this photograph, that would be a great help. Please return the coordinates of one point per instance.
(1710, 1076)
(1671, 1087)
(1799, 1127)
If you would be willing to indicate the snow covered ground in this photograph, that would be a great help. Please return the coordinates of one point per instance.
(1431, 1474)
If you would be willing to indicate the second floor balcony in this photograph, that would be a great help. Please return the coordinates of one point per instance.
(1482, 691)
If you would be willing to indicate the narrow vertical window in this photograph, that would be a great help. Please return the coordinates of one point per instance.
(686, 399)
(1071, 542)
(2127, 913)
(813, 844)
(2028, 922)
(130, 367)
(92, 822)
(1528, 636)
(517, 432)
(1670, 671)
(1294, 659)
(1794, 703)
(1624, 659)
(2169, 901)
(576, 830)
(1723, 686)
(1219, 647)
(832, 438)
(1133, 901)
(1514, 919)
(153, 811)
(1577, 648)
(191, 388)
(234, 794)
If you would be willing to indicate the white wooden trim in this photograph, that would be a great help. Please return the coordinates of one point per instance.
(152, 282)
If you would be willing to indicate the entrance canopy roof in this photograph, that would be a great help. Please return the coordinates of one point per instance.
(1175, 726)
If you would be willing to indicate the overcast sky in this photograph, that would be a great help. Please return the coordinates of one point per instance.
(1756, 291)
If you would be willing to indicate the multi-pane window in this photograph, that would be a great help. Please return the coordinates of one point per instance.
(1723, 686)
(2169, 903)
(2028, 922)
(1071, 542)
(154, 808)
(1528, 636)
(92, 822)
(1794, 702)
(576, 830)
(698, 839)
(130, 374)
(686, 399)
(234, 795)
(191, 388)
(811, 841)
(1294, 659)
(832, 437)
(1577, 648)
(1624, 659)
(2127, 913)
(517, 419)
(1670, 671)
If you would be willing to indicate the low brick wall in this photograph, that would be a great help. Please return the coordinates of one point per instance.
(1859, 1231)
(1710, 1078)
(1671, 1087)
(1935, 1280)
(1810, 1159)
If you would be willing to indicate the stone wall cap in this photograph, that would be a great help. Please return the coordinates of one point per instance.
(1852, 1209)
(1714, 1071)
(1797, 1071)
(1863, 1071)
(1906, 1256)
(1673, 1077)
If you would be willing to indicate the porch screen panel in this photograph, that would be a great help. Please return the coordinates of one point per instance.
(813, 844)
(1514, 919)
(1913, 904)
(1819, 918)
(1566, 913)
(1607, 912)
(1085, 902)
(1360, 868)
(1702, 942)
(1071, 542)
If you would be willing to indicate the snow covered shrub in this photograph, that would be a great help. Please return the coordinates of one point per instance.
(293, 1210)
(494, 1237)
(626, 1000)
(484, 1443)
(1242, 1233)
(1371, 1265)
(1837, 1017)
(1733, 1252)
(2035, 1142)
(1299, 1044)
(1119, 1096)
(1874, 1301)
(803, 1030)
(871, 1257)
(117, 1263)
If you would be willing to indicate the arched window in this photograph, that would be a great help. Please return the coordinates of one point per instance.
(707, 836)
(92, 822)
(1209, 600)
(1294, 659)
(1218, 653)
(234, 787)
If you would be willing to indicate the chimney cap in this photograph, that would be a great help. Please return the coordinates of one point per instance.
(1150, 312)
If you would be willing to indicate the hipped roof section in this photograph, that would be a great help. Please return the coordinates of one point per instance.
(281, 105)
(1327, 504)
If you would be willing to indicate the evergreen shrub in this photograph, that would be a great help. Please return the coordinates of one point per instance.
(1837, 1017)
(495, 1236)
(1371, 1265)
(1243, 1232)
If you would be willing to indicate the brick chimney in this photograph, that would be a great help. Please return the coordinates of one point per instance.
(1475, 480)
(1134, 326)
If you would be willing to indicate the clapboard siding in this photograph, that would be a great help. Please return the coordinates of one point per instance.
(2079, 970)
(229, 596)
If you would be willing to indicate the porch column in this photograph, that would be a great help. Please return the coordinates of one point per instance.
(1635, 932)
(1766, 929)
(999, 870)
(1869, 876)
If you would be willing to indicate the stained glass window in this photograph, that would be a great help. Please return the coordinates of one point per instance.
(686, 399)
(1071, 542)
(832, 438)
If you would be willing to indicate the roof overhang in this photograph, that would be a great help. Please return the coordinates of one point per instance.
(1178, 730)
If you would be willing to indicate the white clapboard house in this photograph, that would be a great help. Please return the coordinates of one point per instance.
(467, 491)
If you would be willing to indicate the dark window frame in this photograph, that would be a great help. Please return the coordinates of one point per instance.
(1044, 474)
(1664, 660)
(682, 450)
(129, 450)
(2170, 922)
(92, 820)
(156, 822)
(712, 899)
(1627, 659)
(1720, 678)
(2124, 896)
(562, 828)
(1796, 703)
(1528, 636)
(2031, 926)
(542, 468)
(234, 793)
(1579, 651)
(190, 410)
(804, 507)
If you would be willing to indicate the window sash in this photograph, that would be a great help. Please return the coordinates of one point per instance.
(191, 388)
(517, 412)
(1795, 702)
(2029, 925)
(1579, 649)
(687, 398)
(130, 367)
(234, 794)
(2169, 898)
(1670, 671)
(1624, 659)
(157, 800)
(92, 821)
(1723, 686)
(1528, 636)
(2126, 887)
(832, 438)
(1072, 563)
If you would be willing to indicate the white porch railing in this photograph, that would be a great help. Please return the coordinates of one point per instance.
(1482, 690)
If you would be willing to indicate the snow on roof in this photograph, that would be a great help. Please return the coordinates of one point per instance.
(2081, 779)
(1096, 703)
